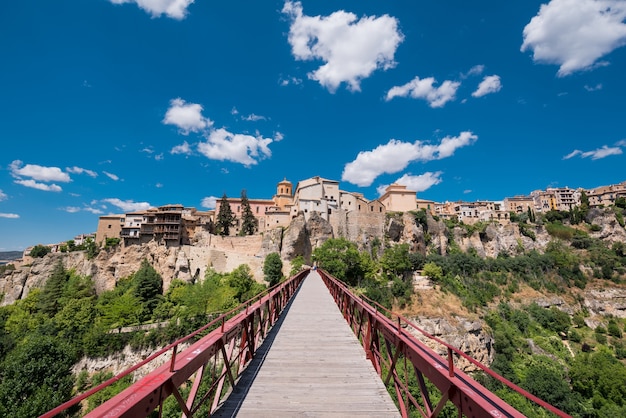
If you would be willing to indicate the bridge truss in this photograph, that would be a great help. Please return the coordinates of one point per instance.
(399, 358)
(201, 376)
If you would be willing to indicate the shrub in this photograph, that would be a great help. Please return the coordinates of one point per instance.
(561, 231)
(39, 251)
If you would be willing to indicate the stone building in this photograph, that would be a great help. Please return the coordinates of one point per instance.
(519, 204)
(606, 195)
(397, 198)
(109, 226)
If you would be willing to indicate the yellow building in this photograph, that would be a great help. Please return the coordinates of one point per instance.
(398, 199)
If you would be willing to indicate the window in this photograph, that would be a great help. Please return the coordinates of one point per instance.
(257, 209)
(109, 226)
(237, 208)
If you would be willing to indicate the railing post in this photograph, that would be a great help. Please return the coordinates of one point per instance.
(174, 350)
(450, 363)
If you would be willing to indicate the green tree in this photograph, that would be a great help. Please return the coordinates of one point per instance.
(341, 259)
(396, 261)
(225, 217)
(39, 251)
(241, 280)
(120, 311)
(531, 215)
(36, 377)
(296, 265)
(273, 269)
(249, 223)
(52, 293)
(433, 271)
(620, 202)
(148, 286)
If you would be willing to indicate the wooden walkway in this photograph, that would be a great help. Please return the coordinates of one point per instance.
(310, 365)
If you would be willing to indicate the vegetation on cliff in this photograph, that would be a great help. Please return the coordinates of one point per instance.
(551, 353)
(561, 355)
(43, 335)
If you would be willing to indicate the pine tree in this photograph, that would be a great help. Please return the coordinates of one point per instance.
(225, 217)
(52, 293)
(248, 220)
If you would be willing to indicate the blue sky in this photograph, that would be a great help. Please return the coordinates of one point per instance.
(109, 106)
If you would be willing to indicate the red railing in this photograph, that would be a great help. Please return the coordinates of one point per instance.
(217, 360)
(399, 357)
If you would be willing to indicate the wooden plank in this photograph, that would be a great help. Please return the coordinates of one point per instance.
(311, 365)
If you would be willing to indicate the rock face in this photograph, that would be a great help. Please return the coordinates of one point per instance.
(610, 229)
(466, 335)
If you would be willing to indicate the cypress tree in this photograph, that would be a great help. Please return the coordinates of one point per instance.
(248, 221)
(225, 217)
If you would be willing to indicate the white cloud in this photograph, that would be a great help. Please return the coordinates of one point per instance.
(278, 136)
(289, 80)
(424, 89)
(38, 172)
(602, 152)
(3, 196)
(183, 148)
(111, 176)
(79, 170)
(593, 88)
(128, 205)
(475, 70)
(253, 118)
(575, 34)
(396, 155)
(39, 186)
(95, 211)
(351, 48)
(209, 202)
(71, 209)
(9, 215)
(490, 84)
(176, 9)
(240, 148)
(186, 116)
(417, 183)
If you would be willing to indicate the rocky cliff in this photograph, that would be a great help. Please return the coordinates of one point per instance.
(190, 262)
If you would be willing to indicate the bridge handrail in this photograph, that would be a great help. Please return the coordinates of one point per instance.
(238, 315)
(472, 360)
(342, 295)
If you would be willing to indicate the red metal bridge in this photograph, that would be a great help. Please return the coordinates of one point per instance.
(291, 352)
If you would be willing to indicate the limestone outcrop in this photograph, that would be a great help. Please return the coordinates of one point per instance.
(466, 335)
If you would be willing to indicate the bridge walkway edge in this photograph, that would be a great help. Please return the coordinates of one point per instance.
(310, 365)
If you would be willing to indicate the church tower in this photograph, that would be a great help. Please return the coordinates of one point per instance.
(284, 194)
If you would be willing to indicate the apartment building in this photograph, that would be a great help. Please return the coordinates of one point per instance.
(519, 204)
(316, 194)
(606, 195)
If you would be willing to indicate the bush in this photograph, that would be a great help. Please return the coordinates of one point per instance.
(561, 231)
(39, 251)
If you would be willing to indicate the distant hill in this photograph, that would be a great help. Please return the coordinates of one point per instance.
(10, 255)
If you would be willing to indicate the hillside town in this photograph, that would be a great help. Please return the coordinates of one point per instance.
(175, 224)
